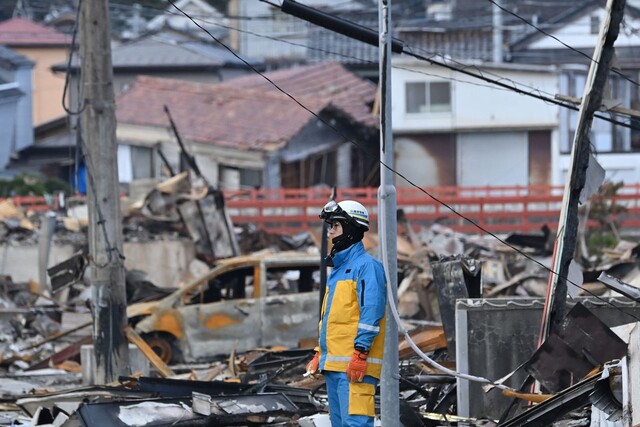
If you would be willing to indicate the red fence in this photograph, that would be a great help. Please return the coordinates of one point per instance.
(496, 209)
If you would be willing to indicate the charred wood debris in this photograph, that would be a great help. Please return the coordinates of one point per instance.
(576, 373)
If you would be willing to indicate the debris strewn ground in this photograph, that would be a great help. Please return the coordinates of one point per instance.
(45, 338)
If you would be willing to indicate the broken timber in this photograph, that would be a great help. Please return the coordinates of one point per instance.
(565, 244)
(155, 360)
(211, 210)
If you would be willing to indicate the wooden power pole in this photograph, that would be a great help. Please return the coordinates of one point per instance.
(555, 305)
(105, 223)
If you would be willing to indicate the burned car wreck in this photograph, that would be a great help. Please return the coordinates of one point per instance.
(265, 299)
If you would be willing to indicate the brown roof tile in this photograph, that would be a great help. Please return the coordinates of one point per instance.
(246, 119)
(347, 92)
(22, 32)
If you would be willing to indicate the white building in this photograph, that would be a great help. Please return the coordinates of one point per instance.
(451, 129)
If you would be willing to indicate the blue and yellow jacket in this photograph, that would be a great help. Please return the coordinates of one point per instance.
(353, 311)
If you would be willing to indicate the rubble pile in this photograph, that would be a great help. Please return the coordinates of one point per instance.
(25, 320)
(464, 300)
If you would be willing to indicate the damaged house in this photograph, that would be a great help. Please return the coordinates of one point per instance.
(16, 73)
(247, 134)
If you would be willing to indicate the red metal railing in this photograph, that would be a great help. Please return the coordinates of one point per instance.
(495, 209)
(34, 203)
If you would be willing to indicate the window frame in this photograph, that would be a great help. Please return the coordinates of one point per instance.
(429, 107)
(619, 138)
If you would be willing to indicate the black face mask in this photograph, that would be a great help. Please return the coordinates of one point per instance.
(350, 235)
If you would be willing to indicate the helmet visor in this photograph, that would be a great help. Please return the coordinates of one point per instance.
(330, 210)
(333, 212)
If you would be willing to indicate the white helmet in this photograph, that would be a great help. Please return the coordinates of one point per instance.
(348, 210)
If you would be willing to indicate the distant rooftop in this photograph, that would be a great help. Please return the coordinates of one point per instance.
(22, 32)
(347, 91)
(246, 113)
(223, 116)
(162, 51)
(166, 51)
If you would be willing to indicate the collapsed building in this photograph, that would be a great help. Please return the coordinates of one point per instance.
(472, 305)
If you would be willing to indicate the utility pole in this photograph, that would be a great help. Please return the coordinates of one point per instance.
(497, 33)
(565, 245)
(388, 224)
(105, 223)
(22, 10)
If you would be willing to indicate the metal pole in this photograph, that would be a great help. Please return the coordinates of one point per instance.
(497, 33)
(388, 225)
(105, 224)
(47, 228)
(324, 251)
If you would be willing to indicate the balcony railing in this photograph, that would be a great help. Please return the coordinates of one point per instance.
(495, 209)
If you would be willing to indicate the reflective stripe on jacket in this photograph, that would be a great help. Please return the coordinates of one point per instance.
(353, 311)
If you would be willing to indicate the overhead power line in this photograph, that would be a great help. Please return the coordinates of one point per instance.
(537, 28)
(400, 175)
(501, 82)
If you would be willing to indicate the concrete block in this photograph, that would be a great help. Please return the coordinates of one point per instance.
(138, 363)
(166, 262)
(494, 336)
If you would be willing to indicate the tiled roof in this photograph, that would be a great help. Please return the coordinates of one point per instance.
(347, 92)
(213, 114)
(22, 32)
(159, 52)
(164, 51)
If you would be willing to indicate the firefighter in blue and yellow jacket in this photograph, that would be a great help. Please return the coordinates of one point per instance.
(351, 328)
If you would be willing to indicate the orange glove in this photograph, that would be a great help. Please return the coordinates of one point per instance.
(357, 367)
(312, 366)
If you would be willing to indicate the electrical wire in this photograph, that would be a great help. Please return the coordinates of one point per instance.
(67, 75)
(392, 304)
(96, 202)
(517, 90)
(385, 258)
(513, 86)
(405, 332)
(462, 68)
(82, 146)
(400, 175)
(560, 41)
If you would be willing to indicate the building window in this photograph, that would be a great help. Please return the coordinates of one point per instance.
(234, 178)
(595, 24)
(315, 170)
(428, 97)
(143, 162)
(604, 136)
(250, 178)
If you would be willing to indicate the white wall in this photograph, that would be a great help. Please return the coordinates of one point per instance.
(476, 104)
(125, 171)
(166, 262)
(577, 33)
(492, 159)
(415, 163)
(619, 167)
(20, 261)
